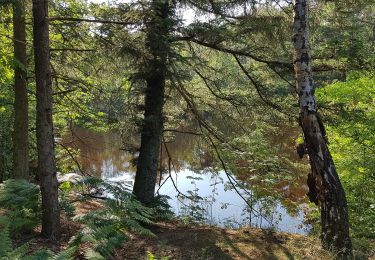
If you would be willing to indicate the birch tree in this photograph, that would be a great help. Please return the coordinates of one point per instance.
(325, 188)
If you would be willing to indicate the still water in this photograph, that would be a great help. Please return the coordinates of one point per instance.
(196, 191)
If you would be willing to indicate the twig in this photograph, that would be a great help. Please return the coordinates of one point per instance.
(170, 176)
(74, 160)
(257, 88)
(232, 180)
(182, 132)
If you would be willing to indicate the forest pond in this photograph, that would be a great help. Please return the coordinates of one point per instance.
(215, 201)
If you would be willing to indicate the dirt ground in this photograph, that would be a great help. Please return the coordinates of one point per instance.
(193, 242)
(176, 241)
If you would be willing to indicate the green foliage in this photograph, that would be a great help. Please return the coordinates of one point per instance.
(162, 211)
(66, 205)
(151, 256)
(21, 201)
(6, 250)
(106, 227)
(342, 31)
(103, 237)
(66, 199)
(6, 97)
(22, 252)
(121, 206)
(349, 109)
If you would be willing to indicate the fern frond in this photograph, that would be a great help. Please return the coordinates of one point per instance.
(39, 255)
(121, 211)
(66, 254)
(5, 242)
(6, 250)
(19, 252)
(135, 226)
(93, 255)
(22, 203)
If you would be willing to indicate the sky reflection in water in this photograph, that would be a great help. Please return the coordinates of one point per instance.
(220, 204)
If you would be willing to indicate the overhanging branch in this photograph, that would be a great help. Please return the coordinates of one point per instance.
(74, 19)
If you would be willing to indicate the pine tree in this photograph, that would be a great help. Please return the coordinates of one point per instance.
(44, 124)
(154, 72)
(20, 129)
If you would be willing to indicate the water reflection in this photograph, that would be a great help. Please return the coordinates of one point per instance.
(212, 198)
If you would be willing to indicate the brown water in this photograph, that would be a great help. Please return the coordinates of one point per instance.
(102, 155)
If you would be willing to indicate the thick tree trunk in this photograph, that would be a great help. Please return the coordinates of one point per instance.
(325, 187)
(154, 73)
(44, 126)
(21, 119)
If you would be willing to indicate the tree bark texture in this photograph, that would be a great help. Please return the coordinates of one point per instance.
(2, 168)
(44, 125)
(154, 74)
(21, 119)
(323, 181)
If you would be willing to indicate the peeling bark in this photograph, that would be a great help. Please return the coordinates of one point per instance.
(44, 125)
(21, 119)
(323, 181)
(155, 73)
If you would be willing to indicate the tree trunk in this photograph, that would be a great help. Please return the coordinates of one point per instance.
(20, 131)
(154, 73)
(324, 183)
(2, 167)
(44, 126)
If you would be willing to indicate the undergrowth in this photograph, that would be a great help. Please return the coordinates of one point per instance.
(104, 229)
(20, 201)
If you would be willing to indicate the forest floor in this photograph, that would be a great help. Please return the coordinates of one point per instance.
(176, 240)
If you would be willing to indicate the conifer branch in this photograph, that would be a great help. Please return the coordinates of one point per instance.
(74, 19)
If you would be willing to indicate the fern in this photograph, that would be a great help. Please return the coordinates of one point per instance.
(19, 194)
(162, 209)
(20, 252)
(66, 254)
(21, 201)
(6, 249)
(105, 228)
(103, 240)
(5, 242)
(39, 255)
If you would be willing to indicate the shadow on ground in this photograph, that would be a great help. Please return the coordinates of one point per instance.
(175, 241)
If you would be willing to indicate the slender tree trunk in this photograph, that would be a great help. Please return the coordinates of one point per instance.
(44, 126)
(2, 167)
(21, 119)
(154, 73)
(324, 183)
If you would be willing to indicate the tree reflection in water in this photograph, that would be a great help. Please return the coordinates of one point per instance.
(204, 193)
